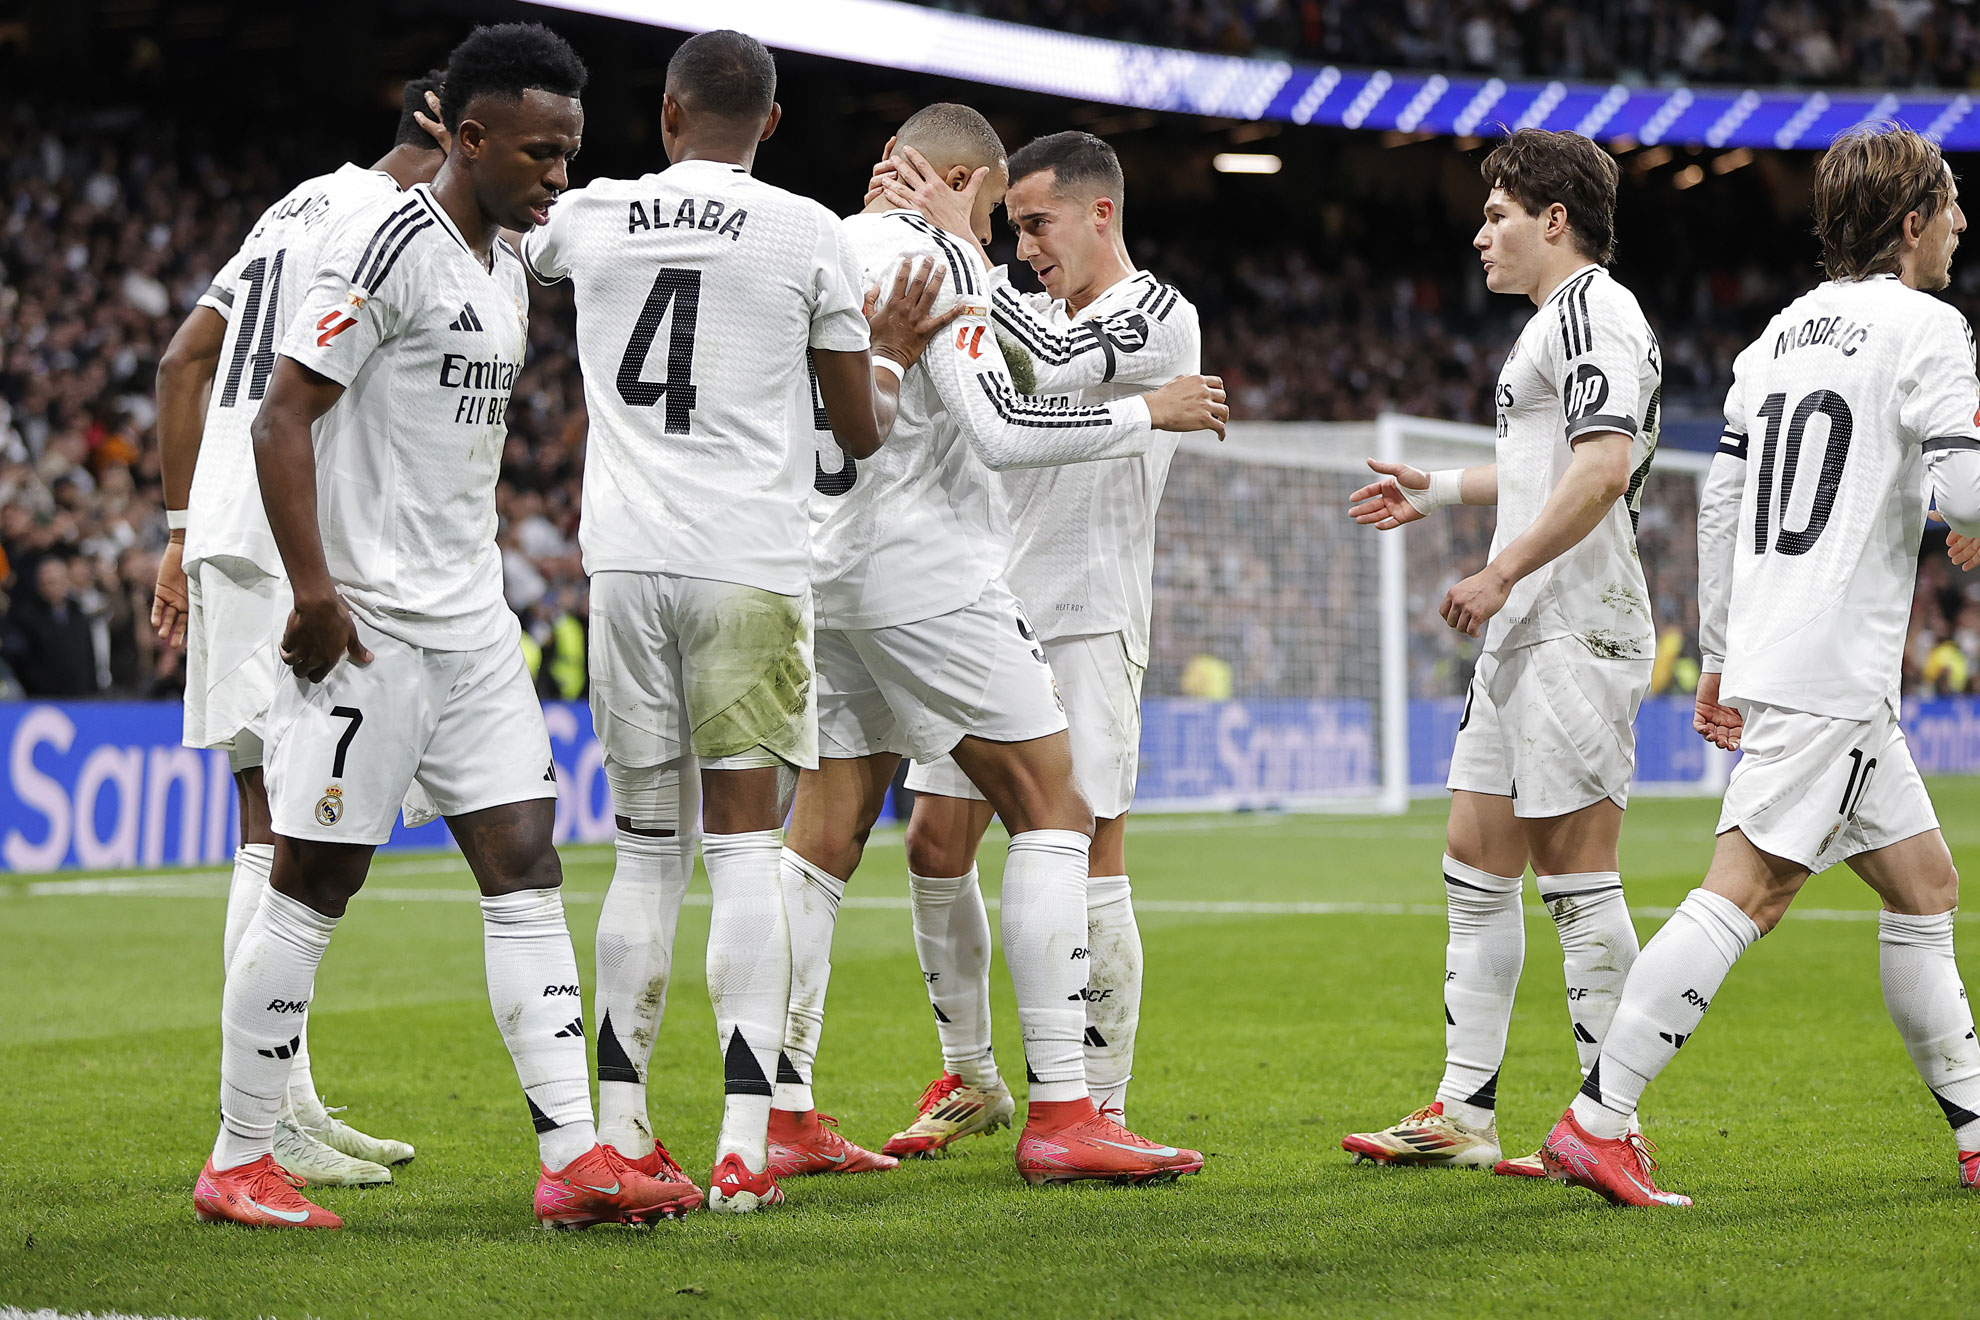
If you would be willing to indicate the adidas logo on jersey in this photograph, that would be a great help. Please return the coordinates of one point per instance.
(467, 320)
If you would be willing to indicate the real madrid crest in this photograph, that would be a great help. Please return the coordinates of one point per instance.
(330, 807)
(1834, 830)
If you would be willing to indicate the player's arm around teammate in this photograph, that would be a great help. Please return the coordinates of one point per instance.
(1545, 751)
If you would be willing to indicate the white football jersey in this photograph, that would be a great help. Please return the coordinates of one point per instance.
(698, 291)
(918, 528)
(258, 291)
(427, 343)
(1844, 419)
(1586, 362)
(1083, 557)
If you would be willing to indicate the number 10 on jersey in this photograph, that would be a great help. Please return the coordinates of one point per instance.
(677, 290)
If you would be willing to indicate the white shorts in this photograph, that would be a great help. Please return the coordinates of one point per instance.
(1550, 726)
(917, 688)
(233, 613)
(1101, 686)
(685, 665)
(464, 726)
(1819, 790)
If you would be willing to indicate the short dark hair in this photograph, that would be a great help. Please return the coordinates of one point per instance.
(1866, 183)
(1077, 160)
(413, 101)
(951, 134)
(724, 73)
(1538, 168)
(505, 60)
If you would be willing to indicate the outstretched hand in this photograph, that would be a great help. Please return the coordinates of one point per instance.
(1382, 504)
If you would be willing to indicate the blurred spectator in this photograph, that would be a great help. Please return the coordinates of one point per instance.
(49, 640)
(111, 227)
(1895, 43)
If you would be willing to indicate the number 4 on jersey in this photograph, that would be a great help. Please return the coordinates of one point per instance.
(678, 290)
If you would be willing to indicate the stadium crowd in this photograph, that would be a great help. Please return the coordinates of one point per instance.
(1883, 43)
(110, 229)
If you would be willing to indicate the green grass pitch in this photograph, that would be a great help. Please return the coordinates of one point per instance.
(1823, 1172)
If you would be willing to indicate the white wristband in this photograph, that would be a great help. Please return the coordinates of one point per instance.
(175, 519)
(888, 364)
(1446, 488)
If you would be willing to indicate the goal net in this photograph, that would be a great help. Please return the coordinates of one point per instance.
(1298, 660)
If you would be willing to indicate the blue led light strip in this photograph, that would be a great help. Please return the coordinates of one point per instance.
(922, 40)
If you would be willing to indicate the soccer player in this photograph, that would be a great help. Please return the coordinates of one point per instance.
(1082, 562)
(923, 649)
(1852, 413)
(220, 577)
(700, 292)
(1545, 748)
(377, 450)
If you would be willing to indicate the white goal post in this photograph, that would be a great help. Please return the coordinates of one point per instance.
(1298, 661)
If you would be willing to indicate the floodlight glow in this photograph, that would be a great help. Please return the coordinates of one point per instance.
(919, 39)
(1241, 162)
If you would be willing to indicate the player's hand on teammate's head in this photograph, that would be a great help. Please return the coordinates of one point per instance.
(435, 125)
(1190, 403)
(1382, 504)
(913, 184)
(882, 169)
(1717, 724)
(902, 326)
(318, 635)
(168, 597)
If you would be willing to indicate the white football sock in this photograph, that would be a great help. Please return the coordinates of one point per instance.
(749, 981)
(304, 1102)
(1113, 990)
(811, 910)
(1481, 973)
(1669, 989)
(252, 862)
(1044, 919)
(1928, 1004)
(636, 926)
(952, 941)
(1598, 947)
(533, 988)
(263, 1009)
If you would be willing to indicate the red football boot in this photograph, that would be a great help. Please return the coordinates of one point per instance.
(602, 1186)
(261, 1194)
(810, 1143)
(734, 1190)
(1616, 1169)
(1071, 1141)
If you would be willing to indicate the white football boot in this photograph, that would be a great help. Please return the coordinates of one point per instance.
(1428, 1137)
(320, 1166)
(323, 1124)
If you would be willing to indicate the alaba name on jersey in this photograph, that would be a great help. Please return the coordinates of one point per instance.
(259, 291)
(427, 343)
(1083, 552)
(1818, 496)
(699, 290)
(918, 529)
(1586, 363)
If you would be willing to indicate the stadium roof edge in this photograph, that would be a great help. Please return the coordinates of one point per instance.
(934, 41)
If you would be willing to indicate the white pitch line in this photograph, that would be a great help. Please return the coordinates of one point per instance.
(16, 1313)
(211, 885)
